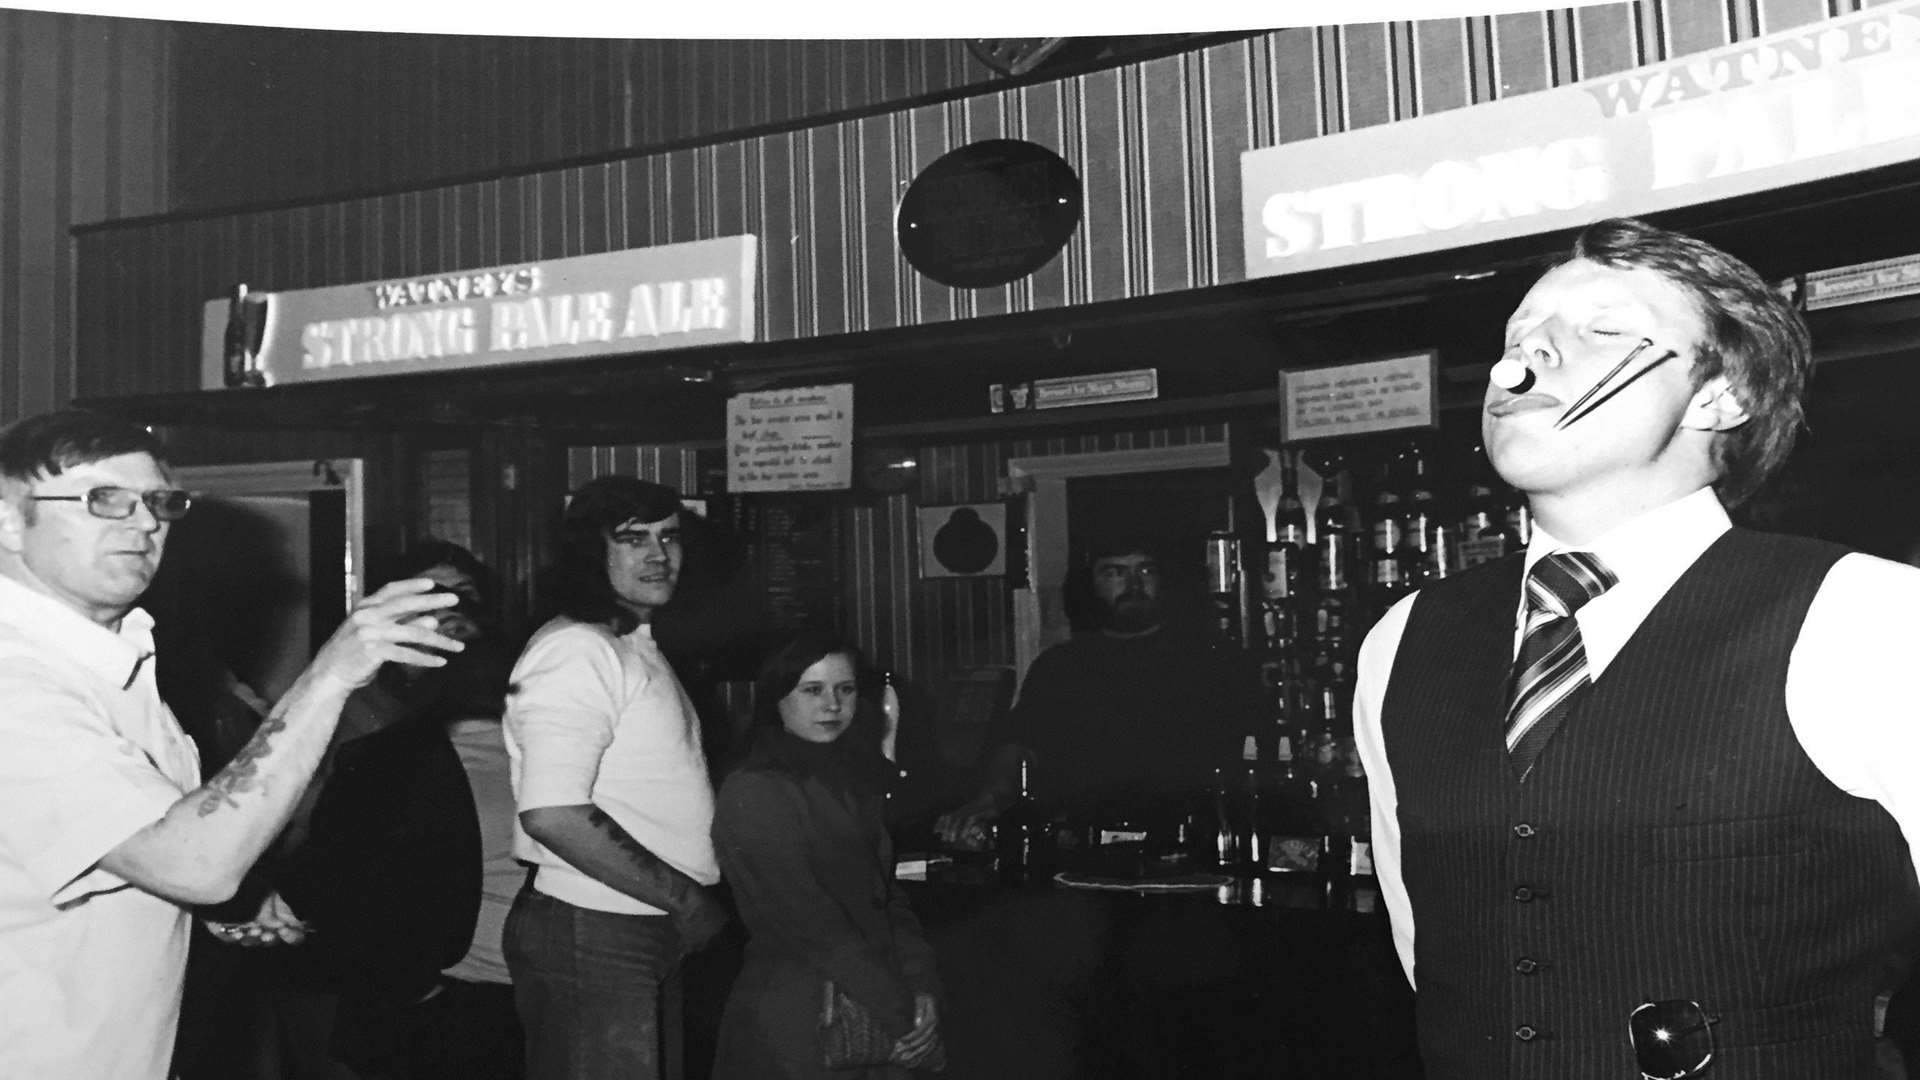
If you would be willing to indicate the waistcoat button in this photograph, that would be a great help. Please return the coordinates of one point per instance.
(1523, 830)
(1526, 965)
(1522, 893)
(1524, 1033)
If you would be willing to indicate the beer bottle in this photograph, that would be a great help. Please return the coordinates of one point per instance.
(1285, 558)
(1483, 519)
(1386, 572)
(1022, 834)
(1296, 838)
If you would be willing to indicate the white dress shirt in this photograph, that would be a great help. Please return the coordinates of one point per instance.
(1852, 681)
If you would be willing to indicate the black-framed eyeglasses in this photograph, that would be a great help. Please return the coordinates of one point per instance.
(1671, 1040)
(117, 503)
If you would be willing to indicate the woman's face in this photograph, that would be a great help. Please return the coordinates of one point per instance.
(819, 708)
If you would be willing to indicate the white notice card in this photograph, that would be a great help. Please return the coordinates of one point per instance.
(798, 439)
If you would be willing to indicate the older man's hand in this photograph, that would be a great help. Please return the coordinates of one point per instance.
(395, 625)
(275, 924)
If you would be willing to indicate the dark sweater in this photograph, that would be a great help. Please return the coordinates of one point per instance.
(1120, 721)
(389, 875)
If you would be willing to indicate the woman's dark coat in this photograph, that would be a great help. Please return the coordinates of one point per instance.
(808, 858)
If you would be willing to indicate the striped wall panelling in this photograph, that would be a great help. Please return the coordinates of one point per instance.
(83, 137)
(921, 628)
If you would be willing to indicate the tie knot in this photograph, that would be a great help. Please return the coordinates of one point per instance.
(1565, 580)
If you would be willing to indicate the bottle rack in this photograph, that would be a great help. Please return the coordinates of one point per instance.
(1353, 527)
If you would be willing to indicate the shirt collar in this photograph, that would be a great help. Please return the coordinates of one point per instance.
(1657, 546)
(114, 656)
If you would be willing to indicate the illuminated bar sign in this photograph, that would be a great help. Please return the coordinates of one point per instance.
(1838, 96)
(670, 297)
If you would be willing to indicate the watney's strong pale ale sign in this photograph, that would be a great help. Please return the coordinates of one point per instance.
(1833, 97)
(668, 297)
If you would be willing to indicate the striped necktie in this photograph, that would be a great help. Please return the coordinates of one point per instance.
(1551, 669)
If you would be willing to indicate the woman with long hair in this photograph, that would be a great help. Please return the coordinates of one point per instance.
(800, 835)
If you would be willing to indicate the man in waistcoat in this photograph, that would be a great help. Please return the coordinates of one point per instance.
(1641, 793)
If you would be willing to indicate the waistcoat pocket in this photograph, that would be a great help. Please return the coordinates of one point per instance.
(1749, 838)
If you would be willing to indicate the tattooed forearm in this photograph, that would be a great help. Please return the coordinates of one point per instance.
(632, 848)
(243, 772)
(642, 874)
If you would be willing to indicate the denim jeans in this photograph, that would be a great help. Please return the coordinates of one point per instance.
(587, 986)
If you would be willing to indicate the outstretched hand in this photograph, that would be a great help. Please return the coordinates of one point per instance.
(394, 625)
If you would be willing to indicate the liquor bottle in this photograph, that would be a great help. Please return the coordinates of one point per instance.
(1290, 516)
(1386, 568)
(1440, 554)
(890, 719)
(1428, 543)
(1286, 558)
(1333, 556)
(1333, 539)
(1483, 520)
(1356, 887)
(1276, 677)
(1296, 838)
(1336, 710)
(1251, 853)
(1224, 584)
(1518, 516)
(1226, 842)
(1303, 718)
(1022, 835)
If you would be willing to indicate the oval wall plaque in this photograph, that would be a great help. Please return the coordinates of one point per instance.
(988, 213)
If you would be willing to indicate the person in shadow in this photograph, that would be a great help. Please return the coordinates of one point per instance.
(383, 864)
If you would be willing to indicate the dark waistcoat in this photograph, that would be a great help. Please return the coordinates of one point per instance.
(1673, 840)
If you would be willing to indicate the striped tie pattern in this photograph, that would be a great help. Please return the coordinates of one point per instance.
(1551, 669)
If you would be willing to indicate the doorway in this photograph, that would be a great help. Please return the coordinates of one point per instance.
(1172, 509)
(267, 564)
(1039, 612)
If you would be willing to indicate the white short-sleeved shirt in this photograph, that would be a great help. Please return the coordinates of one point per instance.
(90, 966)
(594, 718)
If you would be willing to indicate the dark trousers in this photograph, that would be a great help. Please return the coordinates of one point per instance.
(587, 985)
(469, 1030)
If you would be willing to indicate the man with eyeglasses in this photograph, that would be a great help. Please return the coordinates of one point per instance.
(615, 808)
(108, 836)
(1643, 793)
(1130, 718)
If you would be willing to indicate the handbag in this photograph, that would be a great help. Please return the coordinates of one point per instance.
(851, 1039)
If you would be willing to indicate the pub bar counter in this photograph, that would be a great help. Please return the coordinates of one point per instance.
(1048, 982)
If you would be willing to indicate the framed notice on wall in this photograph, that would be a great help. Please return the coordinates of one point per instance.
(1361, 398)
(798, 439)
